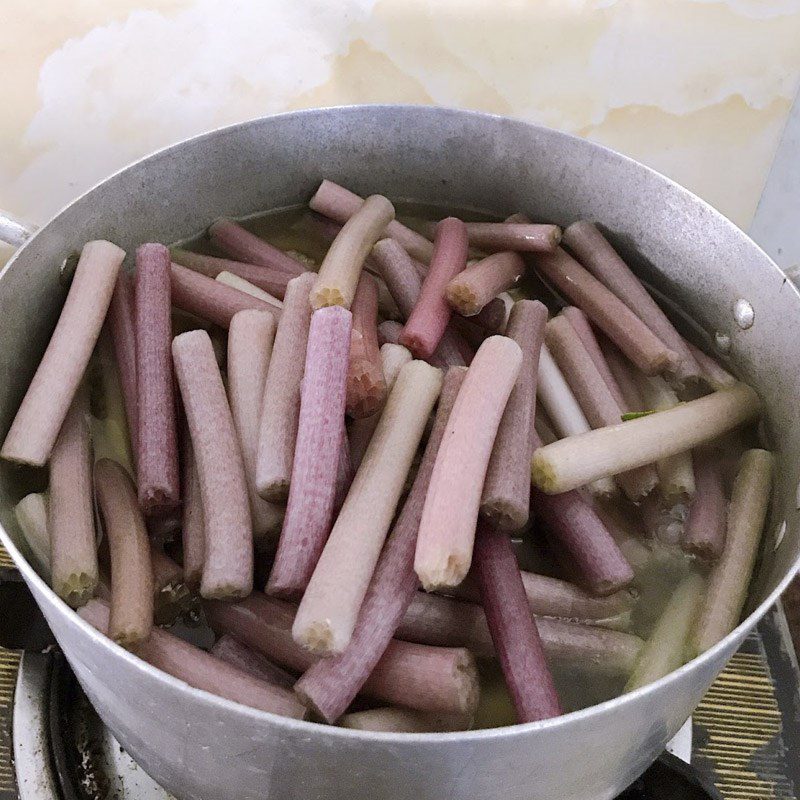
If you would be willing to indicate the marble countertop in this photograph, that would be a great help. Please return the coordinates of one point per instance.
(698, 89)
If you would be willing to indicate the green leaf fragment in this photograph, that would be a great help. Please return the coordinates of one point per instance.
(636, 414)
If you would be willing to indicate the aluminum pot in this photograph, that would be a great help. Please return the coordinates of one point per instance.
(200, 746)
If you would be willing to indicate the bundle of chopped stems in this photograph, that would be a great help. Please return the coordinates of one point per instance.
(371, 431)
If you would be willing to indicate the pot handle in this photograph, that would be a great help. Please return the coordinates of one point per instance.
(14, 231)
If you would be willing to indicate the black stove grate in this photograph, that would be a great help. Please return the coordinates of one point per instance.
(9, 668)
(747, 729)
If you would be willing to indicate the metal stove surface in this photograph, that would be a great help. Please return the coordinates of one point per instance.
(746, 733)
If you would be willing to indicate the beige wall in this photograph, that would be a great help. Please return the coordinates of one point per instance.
(695, 88)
